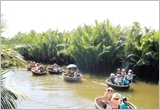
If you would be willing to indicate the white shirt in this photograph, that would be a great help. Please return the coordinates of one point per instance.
(130, 76)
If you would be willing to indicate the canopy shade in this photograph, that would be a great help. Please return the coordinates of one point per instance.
(71, 66)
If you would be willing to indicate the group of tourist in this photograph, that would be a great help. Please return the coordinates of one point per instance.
(114, 99)
(32, 64)
(37, 67)
(121, 78)
(73, 73)
(41, 68)
(55, 68)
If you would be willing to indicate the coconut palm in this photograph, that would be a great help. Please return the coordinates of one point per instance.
(142, 47)
(9, 97)
(9, 58)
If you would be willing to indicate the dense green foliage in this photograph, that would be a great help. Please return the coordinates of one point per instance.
(101, 46)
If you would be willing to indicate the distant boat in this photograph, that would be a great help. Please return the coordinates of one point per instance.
(35, 72)
(101, 105)
(51, 71)
(123, 87)
(31, 65)
(70, 78)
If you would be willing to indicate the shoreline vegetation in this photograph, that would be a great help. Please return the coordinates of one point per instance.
(99, 47)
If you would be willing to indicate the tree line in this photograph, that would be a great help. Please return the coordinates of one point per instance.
(99, 47)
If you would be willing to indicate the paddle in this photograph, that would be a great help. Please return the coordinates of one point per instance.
(136, 76)
(63, 70)
(130, 106)
(81, 73)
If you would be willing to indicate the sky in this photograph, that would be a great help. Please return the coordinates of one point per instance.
(22, 16)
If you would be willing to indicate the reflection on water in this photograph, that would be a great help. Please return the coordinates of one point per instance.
(52, 92)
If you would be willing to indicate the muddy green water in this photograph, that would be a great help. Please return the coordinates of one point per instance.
(52, 92)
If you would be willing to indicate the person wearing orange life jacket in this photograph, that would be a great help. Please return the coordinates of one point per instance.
(31, 63)
(108, 95)
(115, 101)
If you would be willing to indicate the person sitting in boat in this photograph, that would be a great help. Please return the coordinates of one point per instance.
(36, 68)
(32, 64)
(123, 72)
(41, 69)
(112, 78)
(37, 64)
(125, 80)
(57, 68)
(118, 79)
(115, 100)
(45, 68)
(76, 74)
(124, 104)
(53, 67)
(130, 76)
(118, 71)
(107, 95)
(70, 74)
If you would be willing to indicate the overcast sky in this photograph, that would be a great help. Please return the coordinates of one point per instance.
(66, 15)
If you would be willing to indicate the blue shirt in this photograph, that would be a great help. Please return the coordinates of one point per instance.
(124, 106)
(125, 82)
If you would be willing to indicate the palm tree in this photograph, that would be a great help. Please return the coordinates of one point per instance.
(9, 96)
(9, 58)
(142, 48)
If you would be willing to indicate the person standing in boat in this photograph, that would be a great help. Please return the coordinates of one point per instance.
(130, 76)
(124, 104)
(76, 74)
(107, 95)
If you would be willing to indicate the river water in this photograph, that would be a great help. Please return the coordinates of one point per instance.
(52, 92)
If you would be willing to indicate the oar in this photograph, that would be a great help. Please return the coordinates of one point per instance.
(63, 70)
(136, 76)
(130, 106)
(82, 73)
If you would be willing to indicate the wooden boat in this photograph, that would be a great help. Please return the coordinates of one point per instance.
(51, 71)
(117, 86)
(35, 72)
(101, 105)
(68, 78)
